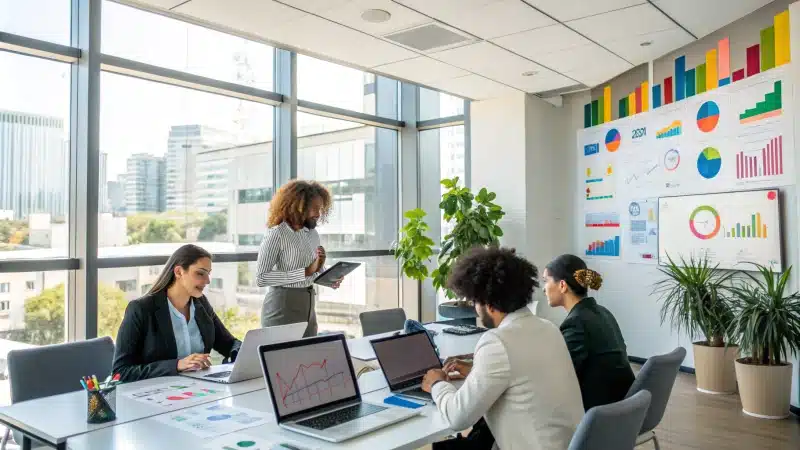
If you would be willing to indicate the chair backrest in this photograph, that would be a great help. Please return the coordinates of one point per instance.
(612, 427)
(658, 376)
(382, 321)
(57, 369)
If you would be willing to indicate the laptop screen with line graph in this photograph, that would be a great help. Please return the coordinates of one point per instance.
(309, 375)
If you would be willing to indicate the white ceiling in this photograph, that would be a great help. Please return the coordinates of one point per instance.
(568, 44)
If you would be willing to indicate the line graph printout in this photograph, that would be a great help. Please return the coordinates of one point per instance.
(309, 376)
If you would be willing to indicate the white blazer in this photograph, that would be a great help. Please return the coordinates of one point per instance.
(523, 382)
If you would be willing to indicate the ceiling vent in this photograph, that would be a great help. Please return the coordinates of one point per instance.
(430, 38)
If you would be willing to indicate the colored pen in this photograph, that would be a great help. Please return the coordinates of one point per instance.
(96, 384)
(83, 383)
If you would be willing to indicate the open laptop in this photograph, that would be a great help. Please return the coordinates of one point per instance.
(246, 367)
(405, 359)
(314, 390)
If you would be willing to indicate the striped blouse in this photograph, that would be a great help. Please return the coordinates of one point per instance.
(284, 256)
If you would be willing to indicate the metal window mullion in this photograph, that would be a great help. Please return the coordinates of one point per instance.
(285, 127)
(24, 45)
(467, 145)
(81, 314)
(333, 112)
(410, 290)
(441, 122)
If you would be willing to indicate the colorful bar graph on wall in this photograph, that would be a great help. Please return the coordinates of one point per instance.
(680, 78)
(724, 59)
(604, 248)
(632, 104)
(645, 92)
(595, 113)
(738, 75)
(638, 93)
(753, 60)
(689, 80)
(700, 82)
(600, 111)
(587, 115)
(782, 46)
(712, 76)
(623, 107)
(767, 48)
(772, 106)
(667, 90)
(656, 96)
(607, 104)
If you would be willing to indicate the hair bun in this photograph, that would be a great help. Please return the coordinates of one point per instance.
(589, 279)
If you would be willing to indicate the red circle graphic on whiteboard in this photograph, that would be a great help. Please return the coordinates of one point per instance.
(772, 195)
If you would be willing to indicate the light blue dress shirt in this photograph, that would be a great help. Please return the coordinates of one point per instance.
(188, 339)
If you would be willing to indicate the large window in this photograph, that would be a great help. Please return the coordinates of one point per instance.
(34, 150)
(433, 105)
(47, 20)
(358, 163)
(175, 172)
(162, 41)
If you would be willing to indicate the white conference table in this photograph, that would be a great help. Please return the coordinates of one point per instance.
(60, 420)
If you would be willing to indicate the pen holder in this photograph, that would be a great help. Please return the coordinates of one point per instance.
(101, 405)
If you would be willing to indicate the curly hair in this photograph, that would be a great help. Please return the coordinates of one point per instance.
(573, 271)
(494, 277)
(290, 204)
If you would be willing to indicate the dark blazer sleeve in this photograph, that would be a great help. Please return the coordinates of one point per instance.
(224, 342)
(129, 348)
(575, 337)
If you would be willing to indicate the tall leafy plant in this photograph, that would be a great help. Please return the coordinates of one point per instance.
(767, 317)
(695, 299)
(475, 220)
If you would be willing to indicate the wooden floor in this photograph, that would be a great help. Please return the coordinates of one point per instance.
(709, 422)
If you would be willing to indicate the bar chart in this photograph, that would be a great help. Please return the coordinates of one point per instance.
(771, 106)
(765, 162)
(602, 220)
(608, 247)
(755, 229)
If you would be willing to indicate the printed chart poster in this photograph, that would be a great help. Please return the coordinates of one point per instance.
(598, 156)
(214, 420)
(729, 229)
(237, 441)
(179, 393)
(602, 234)
(641, 232)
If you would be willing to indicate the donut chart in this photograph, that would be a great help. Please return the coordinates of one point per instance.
(694, 222)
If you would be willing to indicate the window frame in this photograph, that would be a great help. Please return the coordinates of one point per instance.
(393, 99)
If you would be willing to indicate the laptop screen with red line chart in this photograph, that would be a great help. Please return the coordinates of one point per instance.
(309, 376)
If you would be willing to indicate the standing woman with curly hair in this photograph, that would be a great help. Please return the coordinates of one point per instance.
(592, 334)
(291, 257)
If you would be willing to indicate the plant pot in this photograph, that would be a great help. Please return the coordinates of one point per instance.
(453, 310)
(714, 368)
(765, 390)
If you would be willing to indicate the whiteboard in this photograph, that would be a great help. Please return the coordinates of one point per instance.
(730, 229)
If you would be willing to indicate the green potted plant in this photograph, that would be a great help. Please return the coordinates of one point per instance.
(695, 299)
(475, 220)
(767, 323)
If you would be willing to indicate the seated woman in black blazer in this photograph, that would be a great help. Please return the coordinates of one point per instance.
(173, 328)
(592, 334)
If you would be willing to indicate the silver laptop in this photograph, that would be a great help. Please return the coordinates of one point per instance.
(247, 366)
(314, 390)
(405, 359)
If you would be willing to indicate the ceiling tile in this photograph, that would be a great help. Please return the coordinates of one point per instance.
(474, 86)
(544, 80)
(483, 18)
(256, 17)
(623, 23)
(485, 56)
(422, 70)
(531, 44)
(348, 12)
(333, 41)
(599, 72)
(706, 16)
(565, 10)
(661, 43)
(576, 57)
(162, 4)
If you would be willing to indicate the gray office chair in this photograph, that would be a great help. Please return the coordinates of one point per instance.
(55, 369)
(612, 427)
(657, 377)
(382, 321)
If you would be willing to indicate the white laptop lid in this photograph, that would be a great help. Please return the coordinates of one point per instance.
(247, 364)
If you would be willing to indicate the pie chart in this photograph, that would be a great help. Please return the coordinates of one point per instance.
(708, 116)
(709, 162)
(613, 139)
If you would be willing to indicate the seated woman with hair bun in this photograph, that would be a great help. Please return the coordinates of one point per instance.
(592, 334)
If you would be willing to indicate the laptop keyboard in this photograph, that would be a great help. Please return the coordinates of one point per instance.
(416, 392)
(219, 374)
(341, 416)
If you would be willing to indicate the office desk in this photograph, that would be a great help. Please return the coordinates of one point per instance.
(153, 434)
(449, 344)
(54, 419)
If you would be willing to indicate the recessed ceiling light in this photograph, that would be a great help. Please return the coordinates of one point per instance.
(376, 15)
(646, 43)
(529, 73)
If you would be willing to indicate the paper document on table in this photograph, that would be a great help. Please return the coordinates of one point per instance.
(213, 420)
(183, 393)
(238, 441)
